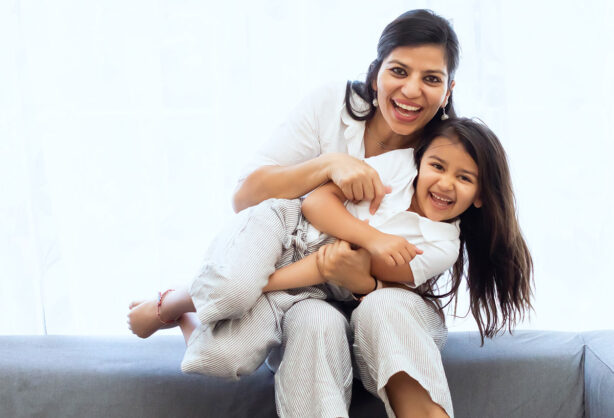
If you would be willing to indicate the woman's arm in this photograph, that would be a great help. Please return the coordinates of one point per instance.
(356, 180)
(281, 182)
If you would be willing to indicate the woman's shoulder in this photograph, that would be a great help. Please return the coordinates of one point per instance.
(328, 95)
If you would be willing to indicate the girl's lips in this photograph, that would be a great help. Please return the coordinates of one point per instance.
(438, 203)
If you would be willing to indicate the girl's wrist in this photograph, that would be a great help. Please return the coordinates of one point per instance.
(376, 285)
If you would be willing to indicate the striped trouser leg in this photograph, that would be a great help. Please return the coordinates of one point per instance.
(314, 378)
(395, 330)
(241, 258)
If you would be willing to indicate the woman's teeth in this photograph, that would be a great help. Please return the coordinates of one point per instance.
(406, 109)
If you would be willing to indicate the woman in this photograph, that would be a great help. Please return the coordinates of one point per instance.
(408, 87)
(396, 334)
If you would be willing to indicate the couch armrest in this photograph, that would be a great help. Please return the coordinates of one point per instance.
(599, 374)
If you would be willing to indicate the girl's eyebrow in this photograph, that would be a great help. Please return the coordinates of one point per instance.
(440, 72)
(461, 170)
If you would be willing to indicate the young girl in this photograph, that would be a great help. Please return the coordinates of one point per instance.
(462, 177)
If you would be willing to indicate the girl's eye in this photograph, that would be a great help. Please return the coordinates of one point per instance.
(432, 79)
(437, 166)
(466, 179)
(398, 71)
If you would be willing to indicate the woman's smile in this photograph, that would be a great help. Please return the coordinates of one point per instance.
(411, 85)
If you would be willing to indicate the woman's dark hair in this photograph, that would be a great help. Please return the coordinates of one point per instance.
(499, 270)
(412, 28)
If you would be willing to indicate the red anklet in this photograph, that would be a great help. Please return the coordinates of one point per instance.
(161, 297)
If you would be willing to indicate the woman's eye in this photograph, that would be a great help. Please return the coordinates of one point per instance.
(432, 79)
(465, 179)
(437, 166)
(398, 71)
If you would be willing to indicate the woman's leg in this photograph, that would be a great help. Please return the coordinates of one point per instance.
(397, 338)
(314, 378)
(410, 400)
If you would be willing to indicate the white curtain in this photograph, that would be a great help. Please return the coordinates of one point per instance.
(123, 126)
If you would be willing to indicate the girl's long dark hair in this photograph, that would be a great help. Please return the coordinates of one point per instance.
(412, 28)
(493, 257)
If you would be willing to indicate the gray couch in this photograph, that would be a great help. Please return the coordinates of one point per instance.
(530, 374)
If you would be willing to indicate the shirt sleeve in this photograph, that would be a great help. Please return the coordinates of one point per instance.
(297, 139)
(437, 258)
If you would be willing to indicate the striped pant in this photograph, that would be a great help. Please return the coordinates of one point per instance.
(307, 339)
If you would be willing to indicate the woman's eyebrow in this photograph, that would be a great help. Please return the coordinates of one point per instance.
(443, 73)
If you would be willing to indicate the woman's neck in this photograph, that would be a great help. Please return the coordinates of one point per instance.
(379, 138)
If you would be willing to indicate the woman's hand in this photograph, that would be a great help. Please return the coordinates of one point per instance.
(340, 265)
(357, 180)
(393, 250)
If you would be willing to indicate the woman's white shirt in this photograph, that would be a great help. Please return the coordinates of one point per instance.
(321, 124)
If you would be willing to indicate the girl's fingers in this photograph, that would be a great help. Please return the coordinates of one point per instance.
(398, 259)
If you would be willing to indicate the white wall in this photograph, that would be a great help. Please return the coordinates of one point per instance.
(123, 126)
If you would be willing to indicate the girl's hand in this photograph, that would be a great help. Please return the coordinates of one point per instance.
(340, 265)
(357, 180)
(392, 249)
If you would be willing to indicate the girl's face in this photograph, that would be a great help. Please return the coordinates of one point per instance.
(447, 181)
(411, 85)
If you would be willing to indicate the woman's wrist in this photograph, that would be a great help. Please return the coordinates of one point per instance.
(327, 162)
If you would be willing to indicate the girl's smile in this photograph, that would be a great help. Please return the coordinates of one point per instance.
(447, 182)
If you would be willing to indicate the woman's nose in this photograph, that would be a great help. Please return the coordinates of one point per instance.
(411, 88)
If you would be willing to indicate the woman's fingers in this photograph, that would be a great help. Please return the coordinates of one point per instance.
(358, 191)
(380, 192)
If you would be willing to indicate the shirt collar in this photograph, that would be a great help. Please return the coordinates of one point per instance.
(354, 129)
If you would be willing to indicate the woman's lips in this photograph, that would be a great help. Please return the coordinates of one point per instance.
(405, 115)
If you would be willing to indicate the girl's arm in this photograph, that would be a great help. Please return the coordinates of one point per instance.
(356, 179)
(325, 209)
(299, 274)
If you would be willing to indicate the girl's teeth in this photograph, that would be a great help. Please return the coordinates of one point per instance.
(441, 199)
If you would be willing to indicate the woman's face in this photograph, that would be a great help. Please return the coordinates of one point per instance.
(411, 85)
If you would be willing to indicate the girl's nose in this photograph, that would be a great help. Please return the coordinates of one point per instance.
(446, 183)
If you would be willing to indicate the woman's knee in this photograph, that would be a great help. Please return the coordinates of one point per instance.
(314, 318)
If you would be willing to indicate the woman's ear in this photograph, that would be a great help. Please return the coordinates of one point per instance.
(477, 203)
(448, 93)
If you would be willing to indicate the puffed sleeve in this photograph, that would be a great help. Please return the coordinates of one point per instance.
(297, 139)
(438, 257)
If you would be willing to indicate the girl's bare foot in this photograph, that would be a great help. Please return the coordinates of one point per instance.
(143, 318)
